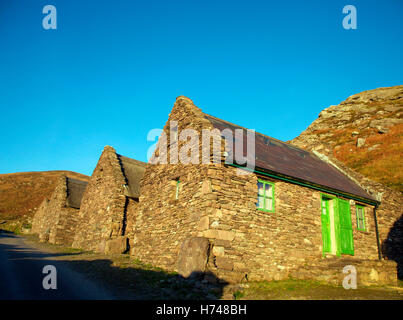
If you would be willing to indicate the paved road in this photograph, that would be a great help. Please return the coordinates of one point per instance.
(21, 275)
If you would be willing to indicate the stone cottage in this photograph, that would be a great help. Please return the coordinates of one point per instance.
(293, 215)
(56, 218)
(109, 203)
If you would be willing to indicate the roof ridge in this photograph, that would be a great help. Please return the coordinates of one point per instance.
(122, 157)
(76, 180)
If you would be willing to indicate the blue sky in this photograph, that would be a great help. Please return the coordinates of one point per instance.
(113, 69)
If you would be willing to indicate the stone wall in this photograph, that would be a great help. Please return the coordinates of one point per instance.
(260, 245)
(369, 272)
(130, 219)
(39, 223)
(102, 214)
(54, 221)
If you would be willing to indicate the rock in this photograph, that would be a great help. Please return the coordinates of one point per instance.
(374, 276)
(206, 187)
(220, 234)
(218, 251)
(382, 130)
(375, 146)
(386, 122)
(118, 245)
(360, 142)
(224, 263)
(203, 223)
(215, 224)
(193, 256)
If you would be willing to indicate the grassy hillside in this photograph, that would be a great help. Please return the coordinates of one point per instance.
(365, 132)
(21, 193)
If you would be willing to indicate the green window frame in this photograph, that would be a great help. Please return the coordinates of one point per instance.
(265, 196)
(360, 214)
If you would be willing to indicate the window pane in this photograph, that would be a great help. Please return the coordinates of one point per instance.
(260, 188)
(269, 204)
(260, 203)
(177, 190)
(269, 189)
(360, 218)
(361, 223)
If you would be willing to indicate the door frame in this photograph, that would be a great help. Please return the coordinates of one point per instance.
(334, 224)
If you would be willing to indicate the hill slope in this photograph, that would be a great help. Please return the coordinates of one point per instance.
(365, 132)
(21, 193)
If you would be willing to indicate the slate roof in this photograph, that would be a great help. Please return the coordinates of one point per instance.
(75, 191)
(133, 171)
(287, 160)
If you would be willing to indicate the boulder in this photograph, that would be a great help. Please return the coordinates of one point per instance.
(118, 245)
(193, 256)
(360, 142)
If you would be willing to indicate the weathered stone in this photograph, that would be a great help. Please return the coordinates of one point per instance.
(117, 245)
(193, 256)
(219, 234)
(218, 251)
(374, 276)
(206, 187)
(224, 263)
(204, 223)
(360, 142)
(223, 243)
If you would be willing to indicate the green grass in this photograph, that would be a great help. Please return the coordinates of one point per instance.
(312, 290)
(238, 295)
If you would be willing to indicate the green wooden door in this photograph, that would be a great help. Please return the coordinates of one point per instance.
(345, 233)
(327, 247)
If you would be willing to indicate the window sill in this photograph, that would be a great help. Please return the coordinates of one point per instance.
(266, 211)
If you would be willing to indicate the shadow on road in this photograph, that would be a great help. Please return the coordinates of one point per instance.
(22, 266)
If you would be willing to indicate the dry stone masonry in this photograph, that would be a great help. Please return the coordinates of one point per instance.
(108, 204)
(202, 217)
(56, 219)
(218, 206)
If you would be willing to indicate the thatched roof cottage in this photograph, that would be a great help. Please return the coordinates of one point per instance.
(108, 204)
(56, 218)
